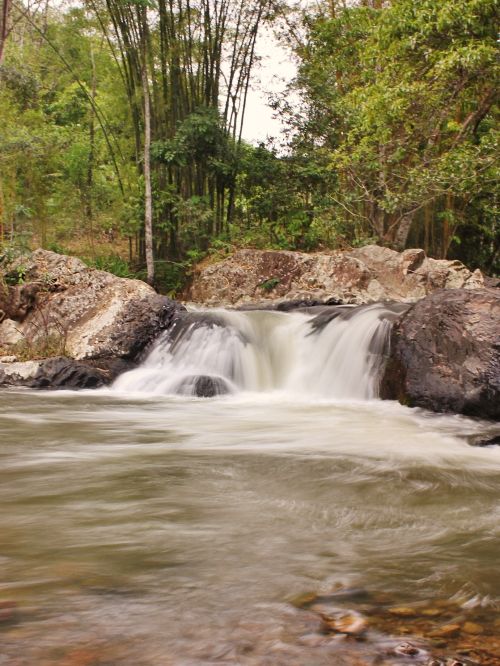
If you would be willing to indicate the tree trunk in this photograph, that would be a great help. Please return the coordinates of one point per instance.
(4, 26)
(401, 235)
(89, 212)
(2, 216)
(148, 204)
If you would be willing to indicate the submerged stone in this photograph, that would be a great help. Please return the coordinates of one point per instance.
(403, 611)
(445, 631)
(472, 628)
(407, 649)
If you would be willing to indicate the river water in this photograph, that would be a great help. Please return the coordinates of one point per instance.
(155, 529)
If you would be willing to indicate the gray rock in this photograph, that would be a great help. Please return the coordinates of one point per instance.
(362, 275)
(9, 333)
(445, 354)
(94, 314)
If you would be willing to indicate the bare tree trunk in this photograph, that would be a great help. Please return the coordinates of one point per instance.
(148, 204)
(401, 235)
(4, 25)
(2, 215)
(89, 212)
(427, 227)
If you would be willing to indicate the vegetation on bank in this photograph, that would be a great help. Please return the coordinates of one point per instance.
(121, 130)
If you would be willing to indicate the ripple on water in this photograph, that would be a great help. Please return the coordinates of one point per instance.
(138, 531)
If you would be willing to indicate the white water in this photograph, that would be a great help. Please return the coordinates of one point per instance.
(263, 351)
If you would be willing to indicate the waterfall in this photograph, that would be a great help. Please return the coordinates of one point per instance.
(331, 352)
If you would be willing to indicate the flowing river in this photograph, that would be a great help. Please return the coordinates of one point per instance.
(142, 525)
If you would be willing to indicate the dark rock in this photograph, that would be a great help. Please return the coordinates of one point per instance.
(327, 314)
(184, 324)
(445, 354)
(17, 300)
(488, 441)
(288, 306)
(491, 282)
(202, 386)
(139, 324)
(61, 372)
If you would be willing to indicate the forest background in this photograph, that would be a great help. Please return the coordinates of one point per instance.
(121, 130)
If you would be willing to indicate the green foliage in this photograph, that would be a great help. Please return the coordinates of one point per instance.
(269, 284)
(394, 138)
(54, 344)
(112, 264)
(57, 178)
(401, 101)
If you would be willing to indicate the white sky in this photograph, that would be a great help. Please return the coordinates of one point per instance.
(271, 75)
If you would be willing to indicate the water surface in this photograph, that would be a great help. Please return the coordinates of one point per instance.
(174, 530)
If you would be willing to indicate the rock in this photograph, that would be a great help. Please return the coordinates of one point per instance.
(407, 649)
(481, 440)
(472, 628)
(445, 631)
(362, 275)
(8, 359)
(445, 354)
(18, 299)
(93, 313)
(343, 622)
(402, 611)
(202, 386)
(101, 322)
(10, 334)
(61, 372)
(304, 600)
(18, 373)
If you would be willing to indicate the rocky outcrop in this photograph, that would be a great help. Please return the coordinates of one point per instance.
(92, 313)
(362, 275)
(445, 354)
(99, 322)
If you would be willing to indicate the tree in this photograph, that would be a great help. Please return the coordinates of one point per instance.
(5, 7)
(198, 56)
(57, 173)
(402, 96)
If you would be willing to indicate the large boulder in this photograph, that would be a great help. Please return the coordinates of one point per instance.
(62, 372)
(358, 276)
(445, 354)
(82, 312)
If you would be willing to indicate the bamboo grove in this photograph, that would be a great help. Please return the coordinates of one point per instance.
(186, 66)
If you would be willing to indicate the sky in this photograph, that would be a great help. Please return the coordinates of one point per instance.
(273, 72)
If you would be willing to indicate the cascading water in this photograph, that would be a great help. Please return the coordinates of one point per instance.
(332, 352)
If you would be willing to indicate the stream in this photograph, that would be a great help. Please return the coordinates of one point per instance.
(145, 526)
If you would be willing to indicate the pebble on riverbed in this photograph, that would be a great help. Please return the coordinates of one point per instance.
(350, 623)
(434, 628)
